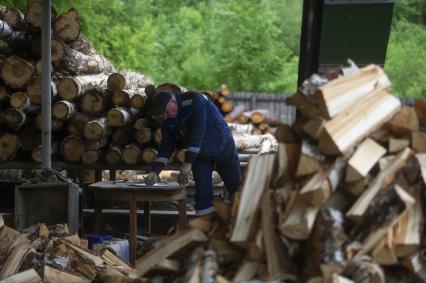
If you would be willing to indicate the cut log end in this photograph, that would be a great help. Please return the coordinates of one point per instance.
(121, 98)
(94, 130)
(16, 72)
(113, 155)
(72, 148)
(19, 100)
(63, 110)
(131, 154)
(67, 26)
(149, 155)
(138, 101)
(116, 82)
(68, 88)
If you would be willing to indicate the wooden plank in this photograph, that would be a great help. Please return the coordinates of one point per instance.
(27, 276)
(166, 248)
(364, 158)
(351, 126)
(53, 275)
(383, 179)
(257, 180)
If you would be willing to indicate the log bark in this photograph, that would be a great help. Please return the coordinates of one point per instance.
(34, 90)
(77, 63)
(122, 136)
(70, 88)
(11, 36)
(349, 127)
(135, 98)
(113, 154)
(9, 145)
(149, 155)
(364, 269)
(97, 129)
(72, 148)
(128, 80)
(119, 116)
(77, 124)
(83, 45)
(63, 110)
(132, 154)
(16, 71)
(210, 267)
(143, 135)
(67, 27)
(14, 118)
(241, 128)
(95, 101)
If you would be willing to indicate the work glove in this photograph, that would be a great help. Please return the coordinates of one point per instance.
(185, 171)
(152, 178)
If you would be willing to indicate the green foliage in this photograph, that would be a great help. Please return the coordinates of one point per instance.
(249, 45)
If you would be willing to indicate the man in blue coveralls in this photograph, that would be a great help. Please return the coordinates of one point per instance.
(192, 120)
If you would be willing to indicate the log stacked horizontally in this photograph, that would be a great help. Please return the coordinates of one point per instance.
(95, 108)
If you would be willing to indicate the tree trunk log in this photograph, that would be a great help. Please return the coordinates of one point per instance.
(77, 123)
(122, 136)
(9, 145)
(83, 45)
(63, 110)
(128, 80)
(37, 154)
(21, 100)
(131, 154)
(90, 157)
(33, 15)
(263, 116)
(96, 101)
(97, 129)
(72, 148)
(91, 145)
(77, 63)
(11, 36)
(56, 124)
(67, 27)
(157, 136)
(16, 71)
(233, 115)
(143, 135)
(113, 154)
(57, 49)
(34, 90)
(14, 18)
(119, 116)
(70, 88)
(130, 97)
(226, 107)
(13, 117)
(149, 155)
(141, 123)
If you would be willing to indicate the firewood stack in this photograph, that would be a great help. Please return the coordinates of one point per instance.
(98, 113)
(51, 254)
(339, 202)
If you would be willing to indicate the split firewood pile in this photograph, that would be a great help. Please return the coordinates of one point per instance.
(51, 254)
(341, 202)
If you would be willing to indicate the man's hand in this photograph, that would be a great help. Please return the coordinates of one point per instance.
(152, 178)
(185, 171)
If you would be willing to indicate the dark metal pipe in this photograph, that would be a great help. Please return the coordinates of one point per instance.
(46, 32)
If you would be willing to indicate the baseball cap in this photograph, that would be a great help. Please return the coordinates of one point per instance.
(159, 103)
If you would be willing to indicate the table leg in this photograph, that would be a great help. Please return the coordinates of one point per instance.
(133, 227)
(146, 219)
(182, 215)
(98, 216)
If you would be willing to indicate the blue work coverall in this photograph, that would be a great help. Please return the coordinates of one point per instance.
(202, 130)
